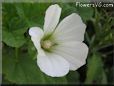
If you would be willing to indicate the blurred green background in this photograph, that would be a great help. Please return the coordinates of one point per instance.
(19, 53)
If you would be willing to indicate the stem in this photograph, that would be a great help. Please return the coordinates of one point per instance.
(88, 38)
(104, 46)
(16, 54)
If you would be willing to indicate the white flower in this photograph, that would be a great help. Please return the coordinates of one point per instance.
(60, 47)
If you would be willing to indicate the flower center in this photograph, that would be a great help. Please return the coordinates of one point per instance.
(47, 44)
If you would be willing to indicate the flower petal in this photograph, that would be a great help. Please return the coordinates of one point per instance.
(70, 29)
(74, 52)
(36, 34)
(52, 18)
(53, 65)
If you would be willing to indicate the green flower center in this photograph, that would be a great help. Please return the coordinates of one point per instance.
(48, 43)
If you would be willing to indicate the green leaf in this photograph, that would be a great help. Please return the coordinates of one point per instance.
(73, 77)
(12, 39)
(110, 77)
(5, 82)
(85, 12)
(67, 9)
(13, 27)
(32, 50)
(95, 69)
(32, 13)
(24, 70)
(104, 78)
(56, 80)
(21, 70)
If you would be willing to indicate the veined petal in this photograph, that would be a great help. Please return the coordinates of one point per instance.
(53, 65)
(36, 34)
(71, 28)
(52, 18)
(74, 52)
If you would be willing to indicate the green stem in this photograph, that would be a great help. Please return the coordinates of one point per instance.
(16, 53)
(88, 38)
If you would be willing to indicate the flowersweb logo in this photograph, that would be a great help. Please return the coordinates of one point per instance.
(60, 46)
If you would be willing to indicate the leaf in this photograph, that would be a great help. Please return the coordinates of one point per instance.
(56, 80)
(104, 78)
(67, 9)
(85, 12)
(7, 13)
(32, 13)
(95, 69)
(13, 40)
(110, 77)
(73, 77)
(13, 27)
(32, 50)
(24, 70)
(21, 13)
(5, 82)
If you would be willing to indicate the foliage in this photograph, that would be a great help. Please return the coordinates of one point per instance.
(19, 63)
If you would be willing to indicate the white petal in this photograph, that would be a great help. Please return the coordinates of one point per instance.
(36, 34)
(74, 52)
(70, 29)
(53, 65)
(52, 18)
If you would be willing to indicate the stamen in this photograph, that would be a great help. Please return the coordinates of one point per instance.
(46, 44)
